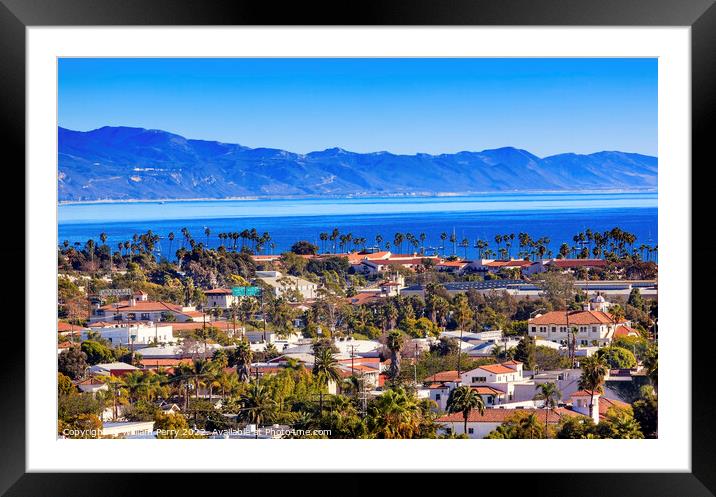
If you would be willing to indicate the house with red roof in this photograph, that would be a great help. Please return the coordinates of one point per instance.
(222, 298)
(453, 267)
(569, 265)
(440, 385)
(480, 425)
(593, 325)
(496, 265)
(145, 310)
(501, 379)
(581, 399)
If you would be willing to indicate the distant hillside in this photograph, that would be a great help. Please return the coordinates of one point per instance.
(134, 163)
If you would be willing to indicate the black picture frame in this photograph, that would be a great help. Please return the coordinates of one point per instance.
(17, 15)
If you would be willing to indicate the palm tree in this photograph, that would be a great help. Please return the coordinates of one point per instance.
(529, 427)
(228, 382)
(550, 394)
(201, 370)
(464, 399)
(243, 360)
(325, 368)
(395, 414)
(394, 342)
(257, 406)
(594, 371)
(171, 240)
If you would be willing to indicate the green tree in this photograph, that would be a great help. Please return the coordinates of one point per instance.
(172, 426)
(550, 395)
(526, 352)
(72, 362)
(97, 352)
(618, 358)
(635, 299)
(65, 385)
(325, 369)
(304, 248)
(257, 406)
(646, 412)
(394, 342)
(594, 371)
(557, 288)
(619, 423)
(464, 399)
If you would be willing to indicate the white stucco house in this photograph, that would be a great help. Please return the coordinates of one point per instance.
(282, 284)
(140, 334)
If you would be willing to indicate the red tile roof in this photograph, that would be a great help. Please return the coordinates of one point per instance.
(363, 298)
(511, 362)
(572, 263)
(606, 404)
(142, 306)
(218, 291)
(163, 363)
(513, 263)
(623, 330)
(497, 369)
(396, 262)
(575, 317)
(457, 264)
(487, 390)
(443, 376)
(584, 393)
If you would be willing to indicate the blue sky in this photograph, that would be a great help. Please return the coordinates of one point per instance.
(546, 106)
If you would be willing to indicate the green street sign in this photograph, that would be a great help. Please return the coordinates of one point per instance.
(246, 291)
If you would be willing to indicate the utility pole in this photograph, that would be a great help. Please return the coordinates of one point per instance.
(352, 356)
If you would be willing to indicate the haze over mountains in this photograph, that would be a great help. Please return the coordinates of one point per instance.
(123, 163)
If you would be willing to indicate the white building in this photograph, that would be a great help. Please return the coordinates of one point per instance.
(139, 334)
(222, 298)
(112, 369)
(480, 425)
(282, 284)
(145, 310)
(501, 377)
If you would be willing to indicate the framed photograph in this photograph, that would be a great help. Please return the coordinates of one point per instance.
(412, 240)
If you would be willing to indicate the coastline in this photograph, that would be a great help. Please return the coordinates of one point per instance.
(353, 196)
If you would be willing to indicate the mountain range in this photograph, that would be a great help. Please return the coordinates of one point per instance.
(123, 163)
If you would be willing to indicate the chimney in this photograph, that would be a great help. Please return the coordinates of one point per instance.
(580, 403)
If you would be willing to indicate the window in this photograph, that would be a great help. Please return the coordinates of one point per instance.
(594, 329)
(583, 342)
(554, 329)
(448, 431)
(534, 329)
(479, 379)
(437, 396)
(470, 431)
(582, 329)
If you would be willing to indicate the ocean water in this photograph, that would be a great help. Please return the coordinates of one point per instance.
(558, 216)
